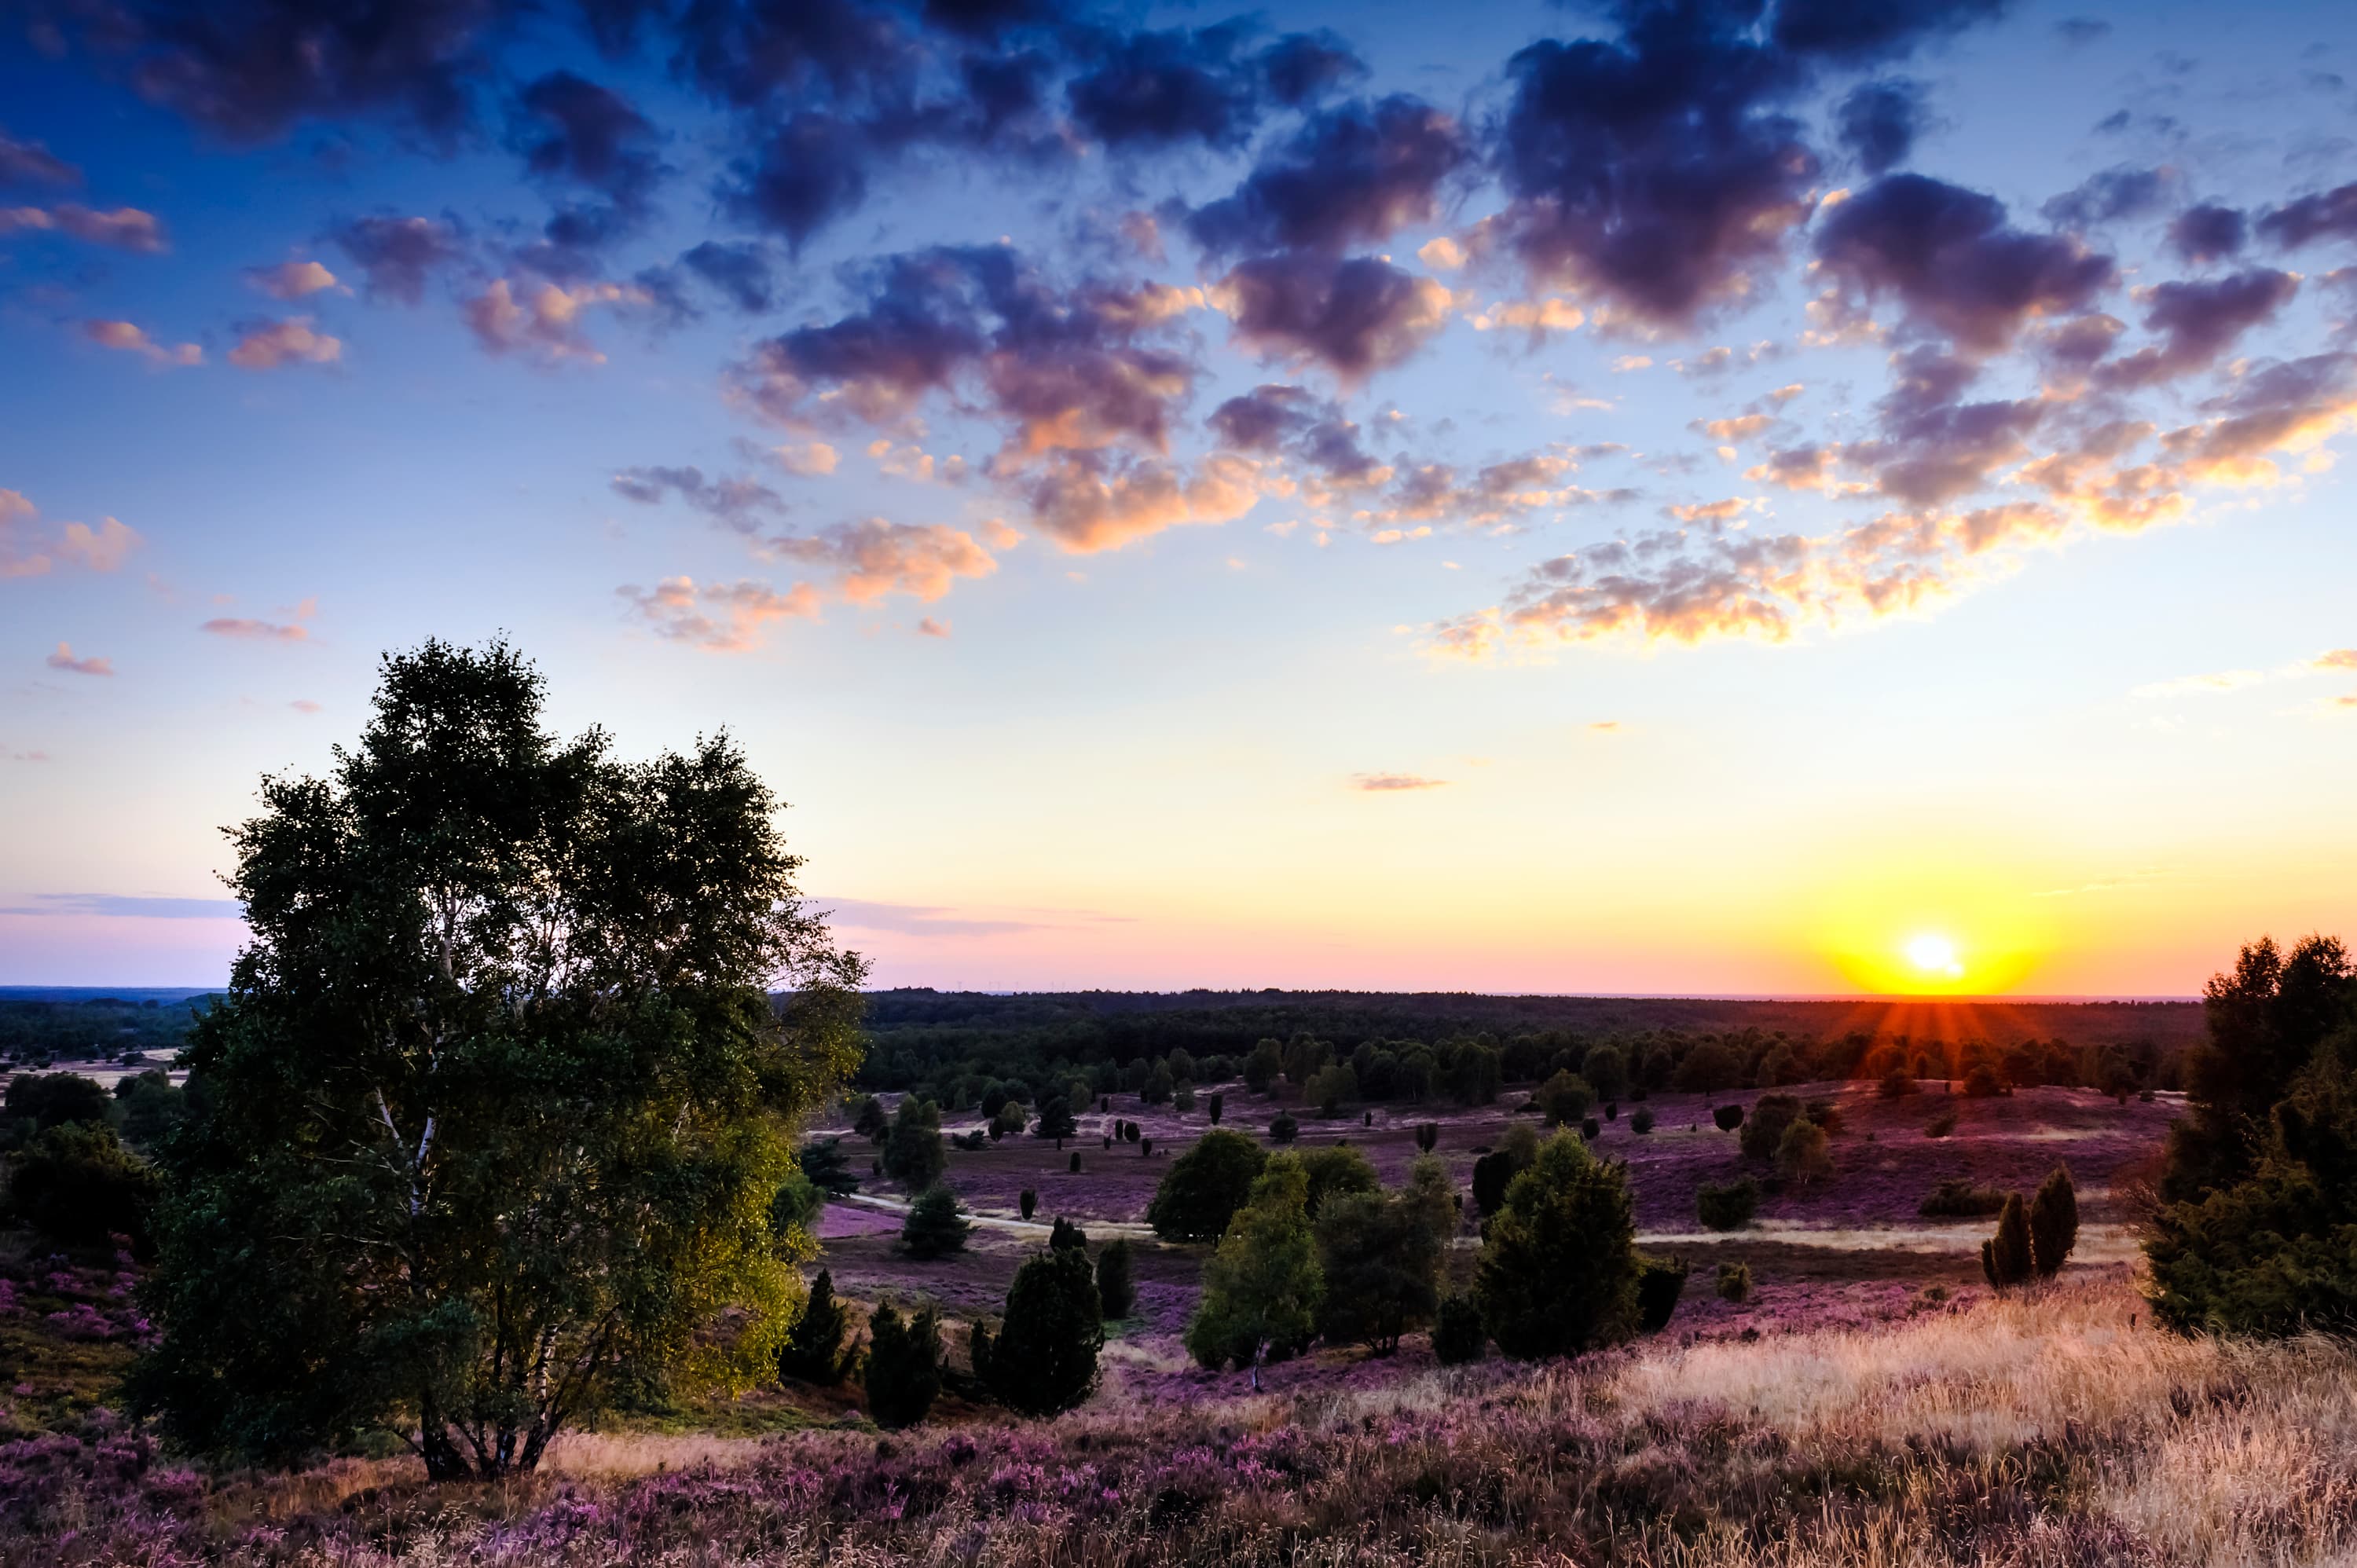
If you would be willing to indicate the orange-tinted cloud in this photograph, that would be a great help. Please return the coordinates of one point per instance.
(26, 550)
(723, 617)
(1390, 783)
(293, 280)
(63, 659)
(267, 345)
(127, 338)
(124, 227)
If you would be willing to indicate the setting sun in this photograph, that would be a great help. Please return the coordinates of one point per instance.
(1935, 955)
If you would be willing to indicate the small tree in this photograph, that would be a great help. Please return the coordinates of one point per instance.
(1728, 1206)
(1458, 1336)
(1067, 1237)
(1204, 1188)
(1565, 1099)
(1264, 1066)
(1802, 1155)
(824, 1163)
(2006, 1257)
(1217, 1108)
(1558, 1271)
(1428, 1136)
(1283, 1128)
(1641, 1120)
(812, 1353)
(1335, 1171)
(57, 1099)
(1075, 1167)
(1726, 1118)
(2054, 1223)
(1772, 1116)
(1027, 1201)
(936, 1226)
(1735, 1283)
(1045, 1360)
(1380, 1256)
(1055, 1118)
(1896, 1084)
(913, 1155)
(77, 1184)
(1007, 1121)
(1262, 1287)
(1660, 1283)
(1116, 1292)
(904, 1364)
(869, 1119)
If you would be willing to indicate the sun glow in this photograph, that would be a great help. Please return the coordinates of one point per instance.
(1935, 955)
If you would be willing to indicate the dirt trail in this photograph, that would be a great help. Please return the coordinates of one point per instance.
(1006, 1222)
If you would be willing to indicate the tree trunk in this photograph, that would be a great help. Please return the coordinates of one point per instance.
(444, 1462)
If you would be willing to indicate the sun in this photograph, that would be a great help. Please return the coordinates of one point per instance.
(1935, 955)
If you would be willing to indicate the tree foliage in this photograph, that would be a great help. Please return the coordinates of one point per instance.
(1204, 1186)
(2054, 1223)
(935, 1227)
(497, 1100)
(1045, 1358)
(77, 1184)
(1458, 1336)
(913, 1155)
(812, 1353)
(1116, 1288)
(1335, 1171)
(2005, 1257)
(1262, 1287)
(1379, 1254)
(903, 1374)
(1558, 1269)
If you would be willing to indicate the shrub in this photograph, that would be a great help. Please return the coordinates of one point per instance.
(57, 1099)
(1045, 1358)
(1007, 1121)
(1958, 1198)
(869, 1119)
(1145, 1148)
(1457, 1333)
(813, 1352)
(1727, 1207)
(1565, 1099)
(1726, 1118)
(904, 1364)
(1204, 1188)
(1027, 1201)
(1380, 1255)
(1283, 1128)
(2005, 1257)
(1183, 1098)
(77, 1184)
(1735, 1283)
(1943, 1124)
(1329, 1087)
(1428, 1136)
(1217, 1107)
(1591, 1129)
(1116, 1291)
(824, 1163)
(1641, 1119)
(1660, 1283)
(1558, 1272)
(1982, 1082)
(1075, 1167)
(913, 1155)
(2054, 1223)
(1764, 1129)
(1897, 1084)
(1612, 1111)
(1067, 1237)
(1827, 1113)
(1802, 1155)
(936, 1226)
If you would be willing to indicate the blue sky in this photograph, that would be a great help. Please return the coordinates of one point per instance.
(1615, 499)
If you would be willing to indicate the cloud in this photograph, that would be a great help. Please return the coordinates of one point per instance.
(1160, 89)
(1088, 502)
(267, 345)
(543, 319)
(117, 905)
(63, 659)
(2109, 197)
(1390, 783)
(916, 919)
(1951, 260)
(2327, 215)
(806, 459)
(2199, 322)
(248, 630)
(30, 162)
(570, 129)
(2337, 659)
(396, 256)
(128, 337)
(738, 503)
(292, 280)
(1265, 418)
(124, 227)
(1879, 121)
(1351, 317)
(1351, 176)
(26, 550)
(723, 617)
(929, 627)
(2208, 233)
(739, 272)
(873, 557)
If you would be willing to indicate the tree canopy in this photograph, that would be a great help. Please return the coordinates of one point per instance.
(498, 1100)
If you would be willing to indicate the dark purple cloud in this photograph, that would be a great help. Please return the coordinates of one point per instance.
(807, 171)
(2197, 323)
(1351, 176)
(1857, 32)
(2109, 197)
(1352, 317)
(1158, 89)
(1879, 121)
(2327, 215)
(1265, 418)
(569, 128)
(2209, 232)
(1301, 68)
(740, 504)
(30, 162)
(397, 255)
(1932, 447)
(739, 270)
(1951, 260)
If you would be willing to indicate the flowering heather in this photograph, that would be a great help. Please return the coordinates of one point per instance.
(2059, 1430)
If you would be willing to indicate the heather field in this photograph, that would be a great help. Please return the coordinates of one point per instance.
(2055, 1428)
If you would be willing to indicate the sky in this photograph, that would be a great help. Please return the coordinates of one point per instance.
(1738, 496)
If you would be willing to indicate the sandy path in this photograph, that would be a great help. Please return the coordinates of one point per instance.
(1008, 1222)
